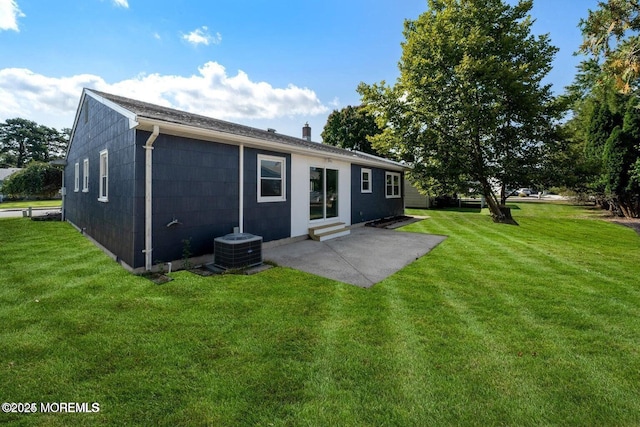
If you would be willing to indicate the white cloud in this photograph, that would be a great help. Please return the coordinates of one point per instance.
(202, 36)
(121, 3)
(9, 14)
(211, 92)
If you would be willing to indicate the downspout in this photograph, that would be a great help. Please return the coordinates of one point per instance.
(148, 206)
(63, 192)
(241, 190)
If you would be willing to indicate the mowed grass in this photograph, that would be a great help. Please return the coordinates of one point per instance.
(536, 324)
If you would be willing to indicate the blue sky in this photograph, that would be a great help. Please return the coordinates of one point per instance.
(275, 64)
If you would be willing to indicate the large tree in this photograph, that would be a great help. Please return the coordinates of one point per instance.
(611, 36)
(605, 131)
(469, 105)
(23, 141)
(351, 128)
(620, 154)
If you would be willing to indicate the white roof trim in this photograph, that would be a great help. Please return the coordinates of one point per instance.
(382, 159)
(133, 122)
(234, 139)
(133, 119)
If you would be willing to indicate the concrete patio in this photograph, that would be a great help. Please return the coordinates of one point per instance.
(363, 258)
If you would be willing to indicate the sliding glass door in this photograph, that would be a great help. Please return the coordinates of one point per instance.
(323, 193)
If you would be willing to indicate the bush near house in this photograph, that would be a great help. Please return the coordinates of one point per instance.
(37, 180)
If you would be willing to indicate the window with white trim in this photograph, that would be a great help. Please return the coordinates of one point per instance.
(365, 180)
(103, 194)
(271, 178)
(393, 184)
(85, 176)
(76, 177)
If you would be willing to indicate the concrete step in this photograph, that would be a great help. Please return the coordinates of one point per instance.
(327, 227)
(328, 231)
(332, 234)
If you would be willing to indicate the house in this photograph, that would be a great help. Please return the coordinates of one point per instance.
(7, 172)
(413, 198)
(141, 179)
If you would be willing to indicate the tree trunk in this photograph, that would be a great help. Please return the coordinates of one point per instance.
(492, 202)
(499, 213)
(503, 194)
(626, 207)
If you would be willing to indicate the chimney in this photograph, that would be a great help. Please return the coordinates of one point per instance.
(306, 132)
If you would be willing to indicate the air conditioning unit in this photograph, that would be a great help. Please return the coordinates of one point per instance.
(237, 250)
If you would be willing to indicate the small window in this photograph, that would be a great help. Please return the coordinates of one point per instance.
(76, 177)
(393, 184)
(271, 179)
(85, 176)
(104, 176)
(365, 180)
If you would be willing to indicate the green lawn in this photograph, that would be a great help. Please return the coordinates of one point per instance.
(31, 203)
(537, 324)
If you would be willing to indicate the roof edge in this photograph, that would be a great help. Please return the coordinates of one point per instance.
(180, 129)
(133, 118)
(133, 122)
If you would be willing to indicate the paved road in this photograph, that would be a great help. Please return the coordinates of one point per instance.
(14, 213)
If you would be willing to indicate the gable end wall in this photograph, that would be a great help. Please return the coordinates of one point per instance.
(110, 223)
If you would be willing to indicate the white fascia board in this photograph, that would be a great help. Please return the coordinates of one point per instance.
(75, 122)
(382, 159)
(133, 119)
(233, 139)
(133, 122)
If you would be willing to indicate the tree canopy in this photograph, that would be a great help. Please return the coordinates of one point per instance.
(351, 128)
(469, 105)
(23, 141)
(611, 36)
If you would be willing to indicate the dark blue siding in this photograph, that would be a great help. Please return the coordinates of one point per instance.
(270, 220)
(374, 205)
(110, 223)
(196, 183)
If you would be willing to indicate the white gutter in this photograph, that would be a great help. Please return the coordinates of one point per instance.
(241, 191)
(148, 205)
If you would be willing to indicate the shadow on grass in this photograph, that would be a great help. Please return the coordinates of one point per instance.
(507, 221)
(462, 210)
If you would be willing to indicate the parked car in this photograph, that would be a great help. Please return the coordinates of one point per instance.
(526, 192)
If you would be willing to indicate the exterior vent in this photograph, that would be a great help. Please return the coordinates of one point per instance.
(237, 250)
